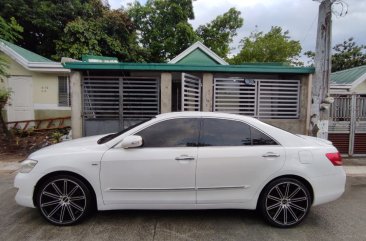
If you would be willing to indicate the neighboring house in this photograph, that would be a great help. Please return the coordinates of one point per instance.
(108, 96)
(347, 123)
(40, 86)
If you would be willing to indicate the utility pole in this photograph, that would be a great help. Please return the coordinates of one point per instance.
(320, 87)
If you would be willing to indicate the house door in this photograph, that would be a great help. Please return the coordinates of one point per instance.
(191, 92)
(20, 105)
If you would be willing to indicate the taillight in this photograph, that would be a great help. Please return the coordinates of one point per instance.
(335, 158)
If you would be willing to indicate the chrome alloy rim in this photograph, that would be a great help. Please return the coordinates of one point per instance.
(62, 201)
(287, 203)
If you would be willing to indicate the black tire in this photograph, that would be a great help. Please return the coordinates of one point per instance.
(285, 202)
(64, 200)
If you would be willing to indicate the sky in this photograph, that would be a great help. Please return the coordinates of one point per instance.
(299, 17)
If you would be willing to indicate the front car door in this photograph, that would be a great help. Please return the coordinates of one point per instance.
(162, 171)
(234, 158)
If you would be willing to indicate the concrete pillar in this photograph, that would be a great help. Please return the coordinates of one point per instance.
(166, 93)
(76, 107)
(308, 100)
(207, 94)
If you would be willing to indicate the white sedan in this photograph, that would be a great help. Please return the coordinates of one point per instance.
(187, 160)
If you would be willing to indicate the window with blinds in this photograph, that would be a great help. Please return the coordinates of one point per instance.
(64, 91)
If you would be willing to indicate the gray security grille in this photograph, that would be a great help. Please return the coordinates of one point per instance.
(273, 99)
(191, 93)
(278, 99)
(140, 99)
(236, 96)
(101, 97)
(114, 103)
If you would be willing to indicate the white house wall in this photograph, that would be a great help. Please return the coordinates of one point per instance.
(45, 90)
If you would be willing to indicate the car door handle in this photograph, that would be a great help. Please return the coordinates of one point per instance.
(184, 158)
(271, 154)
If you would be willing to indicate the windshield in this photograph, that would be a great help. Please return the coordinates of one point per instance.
(109, 137)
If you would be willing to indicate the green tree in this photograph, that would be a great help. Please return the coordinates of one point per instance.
(311, 56)
(163, 27)
(9, 31)
(218, 34)
(110, 35)
(274, 46)
(44, 20)
(348, 55)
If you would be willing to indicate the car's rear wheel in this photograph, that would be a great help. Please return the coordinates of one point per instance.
(285, 202)
(64, 200)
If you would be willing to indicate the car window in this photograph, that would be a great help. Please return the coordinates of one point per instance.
(259, 138)
(171, 133)
(109, 137)
(219, 132)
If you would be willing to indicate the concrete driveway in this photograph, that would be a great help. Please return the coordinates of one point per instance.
(344, 219)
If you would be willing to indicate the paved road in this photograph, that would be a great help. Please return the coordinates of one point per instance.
(344, 219)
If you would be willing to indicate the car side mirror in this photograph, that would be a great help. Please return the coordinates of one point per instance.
(131, 142)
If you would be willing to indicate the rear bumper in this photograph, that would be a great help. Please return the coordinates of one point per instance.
(25, 183)
(329, 188)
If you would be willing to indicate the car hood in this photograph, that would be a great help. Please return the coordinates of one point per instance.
(316, 140)
(72, 146)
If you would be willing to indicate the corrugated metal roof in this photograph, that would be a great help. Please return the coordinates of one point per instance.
(247, 68)
(26, 54)
(347, 76)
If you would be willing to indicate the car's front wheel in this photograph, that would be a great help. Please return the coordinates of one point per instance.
(64, 200)
(285, 202)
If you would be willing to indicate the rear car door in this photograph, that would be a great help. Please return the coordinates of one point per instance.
(234, 158)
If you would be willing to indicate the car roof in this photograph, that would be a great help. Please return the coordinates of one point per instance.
(204, 114)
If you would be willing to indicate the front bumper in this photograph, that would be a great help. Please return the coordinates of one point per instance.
(25, 183)
(329, 188)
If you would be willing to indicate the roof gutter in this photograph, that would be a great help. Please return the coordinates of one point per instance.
(192, 68)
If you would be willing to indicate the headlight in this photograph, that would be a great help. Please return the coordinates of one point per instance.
(27, 166)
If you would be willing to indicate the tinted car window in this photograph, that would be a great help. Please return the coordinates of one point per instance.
(171, 133)
(259, 138)
(218, 132)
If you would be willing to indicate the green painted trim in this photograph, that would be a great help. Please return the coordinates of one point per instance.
(250, 68)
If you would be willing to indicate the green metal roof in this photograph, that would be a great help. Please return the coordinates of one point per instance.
(347, 76)
(197, 56)
(26, 54)
(249, 68)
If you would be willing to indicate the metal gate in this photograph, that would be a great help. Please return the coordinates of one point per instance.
(260, 98)
(114, 103)
(191, 93)
(347, 124)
